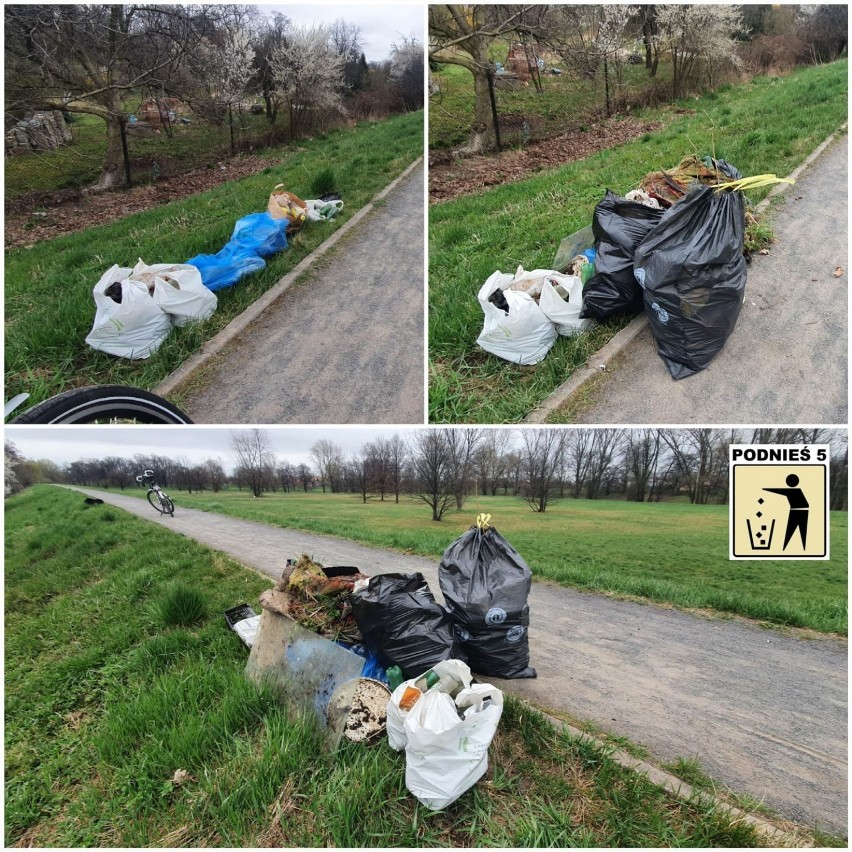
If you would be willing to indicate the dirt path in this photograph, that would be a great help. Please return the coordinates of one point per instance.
(762, 711)
(787, 360)
(344, 346)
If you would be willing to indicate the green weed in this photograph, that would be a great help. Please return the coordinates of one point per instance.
(182, 606)
(323, 182)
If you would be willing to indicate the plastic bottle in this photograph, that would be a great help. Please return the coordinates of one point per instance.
(395, 677)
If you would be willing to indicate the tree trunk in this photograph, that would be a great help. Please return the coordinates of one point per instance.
(112, 171)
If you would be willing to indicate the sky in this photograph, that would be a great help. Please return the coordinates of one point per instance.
(381, 24)
(196, 444)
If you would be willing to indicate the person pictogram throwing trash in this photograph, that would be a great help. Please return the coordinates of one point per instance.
(798, 517)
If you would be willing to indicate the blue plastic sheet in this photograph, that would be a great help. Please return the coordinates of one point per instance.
(261, 233)
(227, 266)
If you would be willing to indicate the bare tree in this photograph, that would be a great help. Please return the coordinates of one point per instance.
(542, 465)
(253, 456)
(490, 460)
(433, 480)
(462, 444)
(306, 477)
(578, 456)
(397, 454)
(605, 445)
(215, 474)
(642, 453)
(330, 461)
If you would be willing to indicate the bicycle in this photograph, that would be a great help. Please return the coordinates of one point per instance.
(98, 404)
(158, 498)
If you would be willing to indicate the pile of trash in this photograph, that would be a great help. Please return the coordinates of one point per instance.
(136, 308)
(318, 598)
(432, 707)
(673, 248)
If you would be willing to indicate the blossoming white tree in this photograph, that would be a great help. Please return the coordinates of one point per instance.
(309, 75)
(698, 35)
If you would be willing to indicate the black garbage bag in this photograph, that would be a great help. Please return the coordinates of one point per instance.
(693, 274)
(486, 584)
(619, 226)
(403, 624)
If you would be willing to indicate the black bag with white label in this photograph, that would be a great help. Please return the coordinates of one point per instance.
(693, 274)
(486, 583)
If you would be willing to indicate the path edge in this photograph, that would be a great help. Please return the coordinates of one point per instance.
(677, 788)
(253, 312)
(600, 360)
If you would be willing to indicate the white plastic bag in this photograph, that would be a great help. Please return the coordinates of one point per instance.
(396, 716)
(565, 313)
(525, 334)
(177, 290)
(445, 755)
(323, 211)
(133, 329)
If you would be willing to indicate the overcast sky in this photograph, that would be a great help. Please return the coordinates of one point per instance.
(196, 444)
(381, 24)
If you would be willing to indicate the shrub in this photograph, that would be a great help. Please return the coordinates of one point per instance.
(182, 606)
(323, 182)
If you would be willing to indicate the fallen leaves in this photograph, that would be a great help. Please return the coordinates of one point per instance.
(180, 776)
(451, 177)
(70, 210)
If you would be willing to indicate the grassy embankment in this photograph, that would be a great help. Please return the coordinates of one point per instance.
(769, 125)
(49, 306)
(104, 703)
(668, 552)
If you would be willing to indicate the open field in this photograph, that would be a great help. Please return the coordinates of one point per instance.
(104, 703)
(769, 125)
(49, 306)
(668, 552)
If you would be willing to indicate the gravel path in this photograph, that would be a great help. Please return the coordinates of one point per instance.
(787, 360)
(763, 711)
(343, 346)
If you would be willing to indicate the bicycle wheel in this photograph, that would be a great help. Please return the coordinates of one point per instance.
(168, 506)
(156, 503)
(104, 404)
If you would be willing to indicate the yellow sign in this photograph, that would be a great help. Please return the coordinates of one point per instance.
(779, 501)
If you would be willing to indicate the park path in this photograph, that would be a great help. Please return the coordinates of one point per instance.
(787, 359)
(343, 346)
(763, 711)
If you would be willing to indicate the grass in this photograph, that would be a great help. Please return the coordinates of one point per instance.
(49, 306)
(769, 125)
(103, 707)
(671, 553)
(182, 606)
